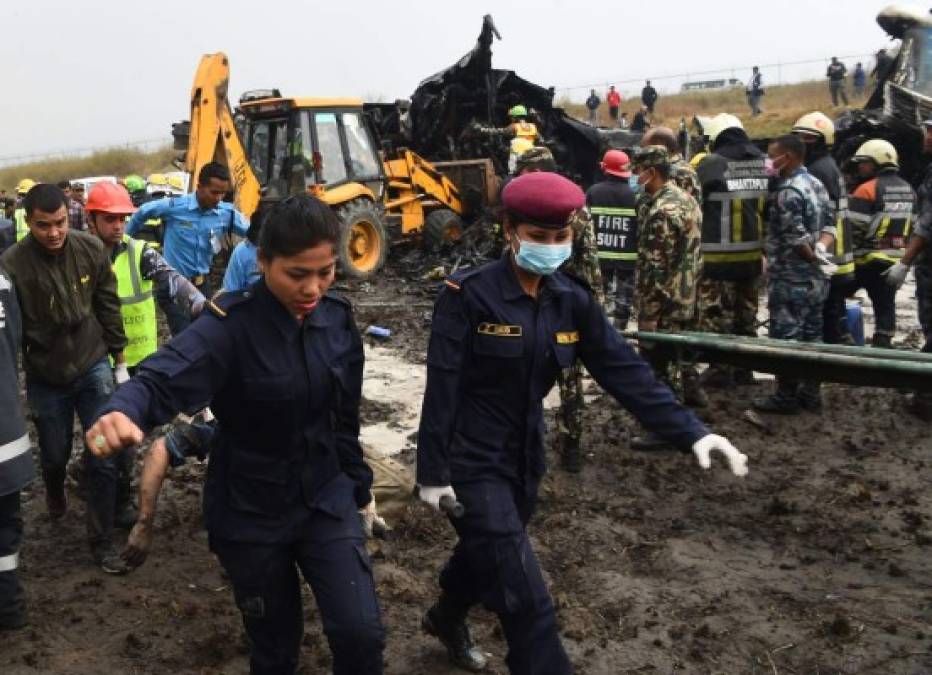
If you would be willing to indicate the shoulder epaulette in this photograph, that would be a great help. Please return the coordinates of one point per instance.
(457, 279)
(339, 298)
(221, 304)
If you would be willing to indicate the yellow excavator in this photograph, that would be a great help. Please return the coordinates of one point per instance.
(278, 146)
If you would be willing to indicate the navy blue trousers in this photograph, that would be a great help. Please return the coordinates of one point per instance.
(493, 563)
(330, 553)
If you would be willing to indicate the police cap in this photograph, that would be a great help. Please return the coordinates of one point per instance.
(543, 199)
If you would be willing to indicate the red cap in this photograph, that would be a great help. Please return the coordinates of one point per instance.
(616, 163)
(542, 198)
(109, 198)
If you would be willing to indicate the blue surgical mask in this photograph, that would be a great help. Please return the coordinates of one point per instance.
(633, 183)
(542, 259)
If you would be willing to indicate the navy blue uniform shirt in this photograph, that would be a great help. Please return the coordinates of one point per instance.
(286, 396)
(494, 354)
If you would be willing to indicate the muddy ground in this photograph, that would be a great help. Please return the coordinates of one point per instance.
(817, 562)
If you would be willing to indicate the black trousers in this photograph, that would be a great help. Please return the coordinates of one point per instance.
(268, 593)
(12, 603)
(835, 316)
(493, 563)
(882, 295)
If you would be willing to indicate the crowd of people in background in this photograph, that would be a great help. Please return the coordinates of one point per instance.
(837, 74)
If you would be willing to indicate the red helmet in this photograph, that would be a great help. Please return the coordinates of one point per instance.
(616, 163)
(109, 198)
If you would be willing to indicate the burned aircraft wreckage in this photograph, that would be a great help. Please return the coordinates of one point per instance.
(441, 119)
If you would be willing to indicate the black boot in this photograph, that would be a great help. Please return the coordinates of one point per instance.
(108, 558)
(810, 396)
(55, 499)
(449, 626)
(882, 340)
(782, 402)
(570, 457)
(693, 394)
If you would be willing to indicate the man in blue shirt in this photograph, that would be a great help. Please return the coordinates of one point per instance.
(194, 225)
(243, 268)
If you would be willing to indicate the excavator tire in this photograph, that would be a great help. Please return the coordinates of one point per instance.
(363, 244)
(442, 226)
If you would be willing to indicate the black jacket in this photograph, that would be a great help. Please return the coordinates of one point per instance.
(286, 396)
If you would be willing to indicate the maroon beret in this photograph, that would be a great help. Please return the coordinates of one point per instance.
(542, 198)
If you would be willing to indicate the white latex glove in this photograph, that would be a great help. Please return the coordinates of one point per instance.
(121, 373)
(372, 522)
(431, 495)
(827, 267)
(703, 448)
(895, 276)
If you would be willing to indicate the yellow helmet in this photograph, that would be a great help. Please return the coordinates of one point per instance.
(719, 123)
(816, 123)
(177, 182)
(881, 153)
(25, 185)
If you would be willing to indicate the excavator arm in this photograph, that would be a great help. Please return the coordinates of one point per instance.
(213, 134)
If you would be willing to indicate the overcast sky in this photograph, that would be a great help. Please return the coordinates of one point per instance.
(95, 72)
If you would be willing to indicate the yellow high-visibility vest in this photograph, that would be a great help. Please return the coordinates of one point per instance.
(19, 217)
(136, 303)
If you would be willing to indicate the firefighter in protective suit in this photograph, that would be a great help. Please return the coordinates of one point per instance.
(735, 186)
(881, 210)
(818, 133)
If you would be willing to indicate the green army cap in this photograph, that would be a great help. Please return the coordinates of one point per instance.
(651, 156)
(539, 158)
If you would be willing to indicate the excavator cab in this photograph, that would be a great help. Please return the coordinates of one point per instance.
(325, 147)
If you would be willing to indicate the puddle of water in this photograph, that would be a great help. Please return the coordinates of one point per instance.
(391, 380)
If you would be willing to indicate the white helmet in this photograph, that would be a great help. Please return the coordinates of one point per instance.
(816, 124)
(881, 153)
(719, 123)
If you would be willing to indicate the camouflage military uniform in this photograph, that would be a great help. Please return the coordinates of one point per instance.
(798, 210)
(796, 287)
(669, 264)
(684, 175)
(584, 264)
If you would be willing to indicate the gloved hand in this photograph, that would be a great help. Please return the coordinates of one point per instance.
(703, 448)
(432, 494)
(895, 276)
(827, 267)
(372, 523)
(121, 373)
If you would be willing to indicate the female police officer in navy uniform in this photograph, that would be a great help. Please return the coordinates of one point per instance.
(500, 335)
(281, 366)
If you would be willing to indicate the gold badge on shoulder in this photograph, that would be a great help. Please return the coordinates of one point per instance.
(567, 337)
